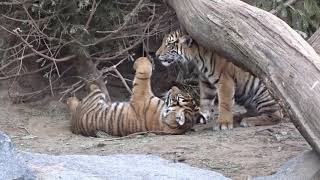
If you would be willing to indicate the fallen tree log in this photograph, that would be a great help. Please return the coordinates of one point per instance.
(265, 45)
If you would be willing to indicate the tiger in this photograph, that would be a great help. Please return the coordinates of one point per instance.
(218, 77)
(144, 112)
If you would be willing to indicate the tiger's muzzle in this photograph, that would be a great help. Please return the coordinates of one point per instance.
(169, 58)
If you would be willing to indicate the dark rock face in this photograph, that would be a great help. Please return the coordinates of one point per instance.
(304, 166)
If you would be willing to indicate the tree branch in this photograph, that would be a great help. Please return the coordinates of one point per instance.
(264, 45)
(280, 7)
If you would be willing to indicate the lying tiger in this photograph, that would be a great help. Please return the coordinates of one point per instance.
(219, 76)
(143, 113)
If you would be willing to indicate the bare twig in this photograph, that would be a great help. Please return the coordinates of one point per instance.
(12, 3)
(119, 53)
(126, 21)
(33, 22)
(114, 69)
(26, 74)
(11, 61)
(26, 96)
(93, 10)
(25, 129)
(43, 55)
(133, 135)
(280, 7)
(72, 89)
(15, 19)
(122, 79)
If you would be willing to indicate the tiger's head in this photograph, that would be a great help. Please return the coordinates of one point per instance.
(174, 47)
(176, 97)
(181, 110)
(143, 67)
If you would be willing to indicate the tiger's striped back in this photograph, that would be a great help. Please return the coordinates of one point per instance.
(144, 112)
(219, 76)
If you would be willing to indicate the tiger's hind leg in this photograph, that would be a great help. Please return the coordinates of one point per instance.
(251, 111)
(262, 120)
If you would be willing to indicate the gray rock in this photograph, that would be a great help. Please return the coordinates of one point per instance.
(11, 167)
(113, 167)
(25, 165)
(303, 167)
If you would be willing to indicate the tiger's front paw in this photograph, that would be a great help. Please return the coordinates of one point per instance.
(180, 120)
(202, 118)
(225, 122)
(223, 126)
(206, 115)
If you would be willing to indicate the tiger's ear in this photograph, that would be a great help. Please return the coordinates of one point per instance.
(93, 87)
(186, 40)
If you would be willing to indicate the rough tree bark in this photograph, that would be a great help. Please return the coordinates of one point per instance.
(88, 70)
(265, 45)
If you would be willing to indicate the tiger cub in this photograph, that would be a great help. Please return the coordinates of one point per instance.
(144, 112)
(220, 77)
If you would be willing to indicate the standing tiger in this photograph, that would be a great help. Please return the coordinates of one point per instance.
(219, 76)
(144, 112)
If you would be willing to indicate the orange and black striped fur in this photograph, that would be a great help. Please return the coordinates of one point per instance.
(143, 113)
(220, 77)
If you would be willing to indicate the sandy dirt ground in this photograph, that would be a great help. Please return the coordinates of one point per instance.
(43, 127)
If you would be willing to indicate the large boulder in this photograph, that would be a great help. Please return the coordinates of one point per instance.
(11, 166)
(25, 165)
(114, 167)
